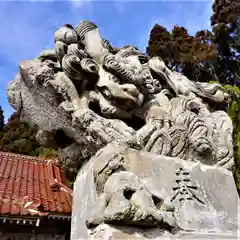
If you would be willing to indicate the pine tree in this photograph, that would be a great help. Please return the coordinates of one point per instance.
(225, 25)
(192, 55)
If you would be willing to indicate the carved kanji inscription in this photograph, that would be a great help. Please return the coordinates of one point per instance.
(184, 189)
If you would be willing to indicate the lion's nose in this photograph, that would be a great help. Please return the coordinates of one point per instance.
(130, 89)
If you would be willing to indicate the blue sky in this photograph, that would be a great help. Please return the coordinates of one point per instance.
(27, 27)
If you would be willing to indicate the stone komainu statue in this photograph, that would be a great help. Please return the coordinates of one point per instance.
(85, 94)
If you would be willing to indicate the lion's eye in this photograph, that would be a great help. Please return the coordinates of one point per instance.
(142, 59)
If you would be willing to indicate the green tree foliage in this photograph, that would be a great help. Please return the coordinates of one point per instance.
(233, 111)
(19, 137)
(235, 44)
(225, 25)
(1, 119)
(194, 56)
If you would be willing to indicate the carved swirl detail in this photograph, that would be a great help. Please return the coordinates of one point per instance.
(75, 49)
(89, 65)
(113, 66)
(110, 93)
(71, 65)
(84, 27)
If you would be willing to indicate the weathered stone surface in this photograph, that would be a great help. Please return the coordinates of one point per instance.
(161, 152)
(107, 232)
(201, 207)
(36, 93)
(94, 95)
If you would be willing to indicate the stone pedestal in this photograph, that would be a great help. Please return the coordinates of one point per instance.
(208, 208)
(107, 232)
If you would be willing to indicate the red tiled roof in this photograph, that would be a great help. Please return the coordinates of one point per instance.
(32, 186)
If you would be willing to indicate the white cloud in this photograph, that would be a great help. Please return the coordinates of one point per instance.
(30, 30)
(79, 3)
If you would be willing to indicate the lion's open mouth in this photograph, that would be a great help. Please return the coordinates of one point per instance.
(125, 96)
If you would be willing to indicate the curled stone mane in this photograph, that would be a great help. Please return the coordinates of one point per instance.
(84, 27)
(76, 50)
(124, 86)
(125, 119)
(71, 65)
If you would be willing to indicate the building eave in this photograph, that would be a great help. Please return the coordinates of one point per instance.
(25, 220)
(59, 217)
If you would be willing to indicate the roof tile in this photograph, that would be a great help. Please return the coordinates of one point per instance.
(32, 186)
